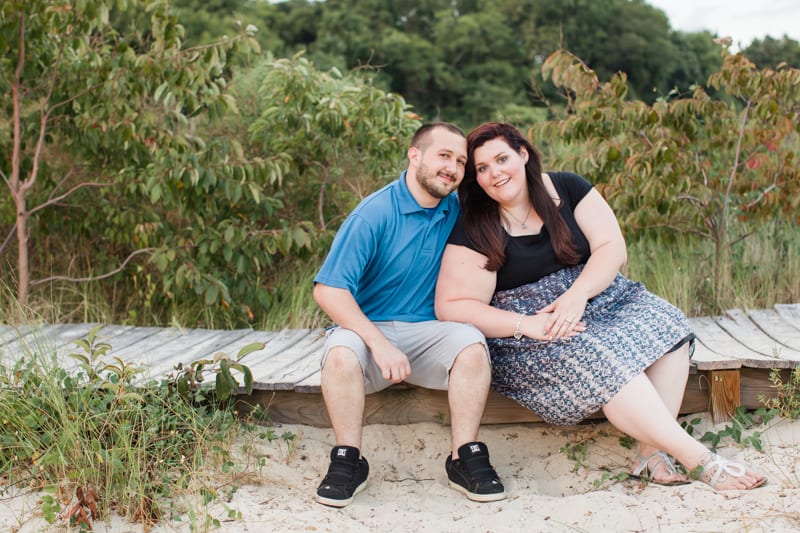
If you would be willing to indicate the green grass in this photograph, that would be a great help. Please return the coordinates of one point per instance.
(137, 450)
(764, 270)
(293, 303)
(764, 267)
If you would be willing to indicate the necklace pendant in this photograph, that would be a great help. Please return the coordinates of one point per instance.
(524, 226)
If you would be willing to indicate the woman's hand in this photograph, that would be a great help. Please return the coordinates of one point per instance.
(536, 327)
(564, 315)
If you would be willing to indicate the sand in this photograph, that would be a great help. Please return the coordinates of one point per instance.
(548, 489)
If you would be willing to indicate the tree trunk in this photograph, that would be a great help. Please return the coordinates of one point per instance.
(23, 265)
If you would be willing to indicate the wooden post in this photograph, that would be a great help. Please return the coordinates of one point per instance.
(725, 394)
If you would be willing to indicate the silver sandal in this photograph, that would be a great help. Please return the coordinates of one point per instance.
(644, 472)
(717, 467)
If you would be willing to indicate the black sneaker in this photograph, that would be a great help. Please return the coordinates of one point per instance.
(347, 476)
(473, 474)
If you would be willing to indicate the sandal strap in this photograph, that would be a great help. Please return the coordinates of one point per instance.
(719, 465)
(661, 458)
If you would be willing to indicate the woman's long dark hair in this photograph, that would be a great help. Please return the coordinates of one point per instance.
(482, 214)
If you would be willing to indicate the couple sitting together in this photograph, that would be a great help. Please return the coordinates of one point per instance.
(513, 283)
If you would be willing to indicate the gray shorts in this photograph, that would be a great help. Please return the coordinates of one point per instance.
(431, 347)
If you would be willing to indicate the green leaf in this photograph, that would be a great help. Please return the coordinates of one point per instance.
(223, 387)
(211, 295)
(250, 348)
(247, 375)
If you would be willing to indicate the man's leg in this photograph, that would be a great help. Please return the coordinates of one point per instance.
(468, 467)
(343, 389)
(343, 392)
(470, 378)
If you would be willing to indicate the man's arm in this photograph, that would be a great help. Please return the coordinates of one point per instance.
(341, 306)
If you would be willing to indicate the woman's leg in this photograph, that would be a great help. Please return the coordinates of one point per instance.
(668, 376)
(638, 410)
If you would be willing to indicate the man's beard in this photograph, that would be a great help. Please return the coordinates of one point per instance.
(429, 181)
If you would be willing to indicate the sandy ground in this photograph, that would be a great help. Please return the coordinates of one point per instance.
(548, 491)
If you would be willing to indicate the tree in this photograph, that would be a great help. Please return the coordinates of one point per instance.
(84, 108)
(337, 132)
(709, 167)
(769, 52)
(699, 57)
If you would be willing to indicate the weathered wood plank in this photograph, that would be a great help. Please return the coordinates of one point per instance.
(705, 358)
(288, 362)
(790, 313)
(729, 346)
(163, 344)
(756, 386)
(232, 346)
(104, 334)
(712, 334)
(122, 340)
(191, 347)
(725, 394)
(48, 339)
(401, 404)
(12, 334)
(312, 383)
(740, 327)
(27, 338)
(772, 324)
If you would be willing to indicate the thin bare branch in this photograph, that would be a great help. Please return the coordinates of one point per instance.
(643, 135)
(61, 182)
(737, 155)
(74, 97)
(94, 278)
(203, 47)
(56, 199)
(741, 238)
(7, 240)
(761, 195)
(44, 115)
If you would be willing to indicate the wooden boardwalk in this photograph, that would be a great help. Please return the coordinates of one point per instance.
(732, 361)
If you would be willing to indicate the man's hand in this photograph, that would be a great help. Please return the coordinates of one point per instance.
(393, 363)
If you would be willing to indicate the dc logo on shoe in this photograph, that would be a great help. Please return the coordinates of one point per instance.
(474, 448)
(341, 452)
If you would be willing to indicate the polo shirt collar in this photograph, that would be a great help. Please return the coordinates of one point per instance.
(408, 204)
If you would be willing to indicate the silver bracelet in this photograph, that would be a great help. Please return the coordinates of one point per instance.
(517, 332)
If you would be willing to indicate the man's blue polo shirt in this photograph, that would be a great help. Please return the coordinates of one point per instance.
(388, 252)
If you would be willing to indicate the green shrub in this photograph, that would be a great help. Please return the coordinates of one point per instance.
(98, 432)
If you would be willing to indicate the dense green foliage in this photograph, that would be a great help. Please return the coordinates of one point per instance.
(140, 138)
(469, 61)
(717, 168)
(189, 161)
(770, 53)
(103, 436)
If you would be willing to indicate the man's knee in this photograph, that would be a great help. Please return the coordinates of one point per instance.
(473, 358)
(341, 361)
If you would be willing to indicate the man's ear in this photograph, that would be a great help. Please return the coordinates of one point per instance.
(413, 155)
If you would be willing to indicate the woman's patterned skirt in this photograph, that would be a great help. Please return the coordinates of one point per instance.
(566, 381)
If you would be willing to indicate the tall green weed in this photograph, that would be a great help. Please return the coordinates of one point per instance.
(93, 439)
(766, 267)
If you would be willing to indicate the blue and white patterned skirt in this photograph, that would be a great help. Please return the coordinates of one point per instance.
(566, 381)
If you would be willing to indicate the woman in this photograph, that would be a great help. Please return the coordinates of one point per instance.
(534, 263)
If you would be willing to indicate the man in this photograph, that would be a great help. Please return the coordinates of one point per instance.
(377, 284)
